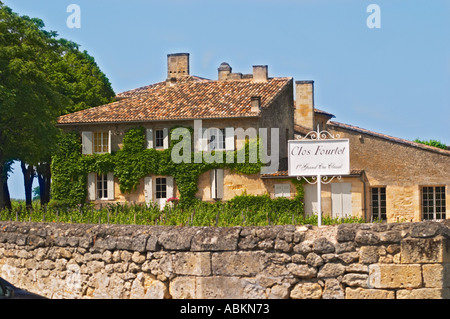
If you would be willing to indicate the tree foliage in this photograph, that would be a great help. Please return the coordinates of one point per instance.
(434, 143)
(41, 78)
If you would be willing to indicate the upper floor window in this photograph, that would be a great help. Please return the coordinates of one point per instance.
(100, 142)
(159, 138)
(216, 139)
(433, 202)
(96, 142)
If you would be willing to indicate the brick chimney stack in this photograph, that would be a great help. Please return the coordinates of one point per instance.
(304, 104)
(260, 73)
(177, 65)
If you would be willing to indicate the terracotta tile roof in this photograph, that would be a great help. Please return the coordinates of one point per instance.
(148, 89)
(389, 138)
(199, 98)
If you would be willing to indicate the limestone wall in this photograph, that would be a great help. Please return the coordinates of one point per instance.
(374, 261)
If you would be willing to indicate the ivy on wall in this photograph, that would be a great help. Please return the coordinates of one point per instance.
(132, 163)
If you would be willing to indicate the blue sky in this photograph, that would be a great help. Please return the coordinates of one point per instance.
(394, 79)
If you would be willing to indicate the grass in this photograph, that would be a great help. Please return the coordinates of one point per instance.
(199, 214)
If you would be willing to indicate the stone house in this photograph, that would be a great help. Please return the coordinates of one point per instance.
(233, 102)
(390, 179)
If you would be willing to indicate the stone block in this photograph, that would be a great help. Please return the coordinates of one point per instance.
(331, 270)
(192, 263)
(302, 271)
(237, 263)
(174, 239)
(355, 280)
(368, 254)
(362, 293)
(424, 293)
(216, 239)
(223, 287)
(395, 276)
(307, 290)
(365, 237)
(436, 275)
(424, 250)
(183, 288)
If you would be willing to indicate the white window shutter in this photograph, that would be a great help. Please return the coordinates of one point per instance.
(166, 138)
(213, 184)
(91, 186)
(169, 187)
(110, 185)
(86, 141)
(229, 138)
(201, 139)
(149, 136)
(148, 190)
(346, 199)
(217, 183)
(310, 199)
(109, 140)
(341, 199)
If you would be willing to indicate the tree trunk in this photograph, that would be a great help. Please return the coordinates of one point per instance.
(44, 178)
(28, 176)
(5, 200)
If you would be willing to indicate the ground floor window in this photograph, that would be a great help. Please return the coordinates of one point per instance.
(378, 203)
(161, 187)
(282, 190)
(433, 202)
(102, 186)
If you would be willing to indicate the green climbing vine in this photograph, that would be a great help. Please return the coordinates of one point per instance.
(132, 163)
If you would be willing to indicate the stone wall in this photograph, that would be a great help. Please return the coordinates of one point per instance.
(372, 261)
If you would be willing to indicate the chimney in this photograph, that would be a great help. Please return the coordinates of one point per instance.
(255, 103)
(224, 69)
(260, 73)
(177, 65)
(304, 104)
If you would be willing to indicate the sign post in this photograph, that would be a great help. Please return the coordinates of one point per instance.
(319, 155)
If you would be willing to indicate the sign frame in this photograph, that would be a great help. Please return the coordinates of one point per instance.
(321, 167)
(319, 137)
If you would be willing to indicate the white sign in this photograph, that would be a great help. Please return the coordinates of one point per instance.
(319, 157)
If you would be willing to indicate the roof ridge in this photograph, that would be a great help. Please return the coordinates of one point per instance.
(391, 138)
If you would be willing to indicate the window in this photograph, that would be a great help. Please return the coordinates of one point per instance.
(378, 203)
(161, 188)
(282, 190)
(217, 176)
(102, 186)
(216, 139)
(101, 142)
(159, 138)
(433, 202)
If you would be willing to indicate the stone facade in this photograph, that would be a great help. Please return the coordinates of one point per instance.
(399, 168)
(348, 261)
(403, 169)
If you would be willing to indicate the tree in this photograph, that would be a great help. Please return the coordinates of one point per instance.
(24, 90)
(41, 77)
(434, 143)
